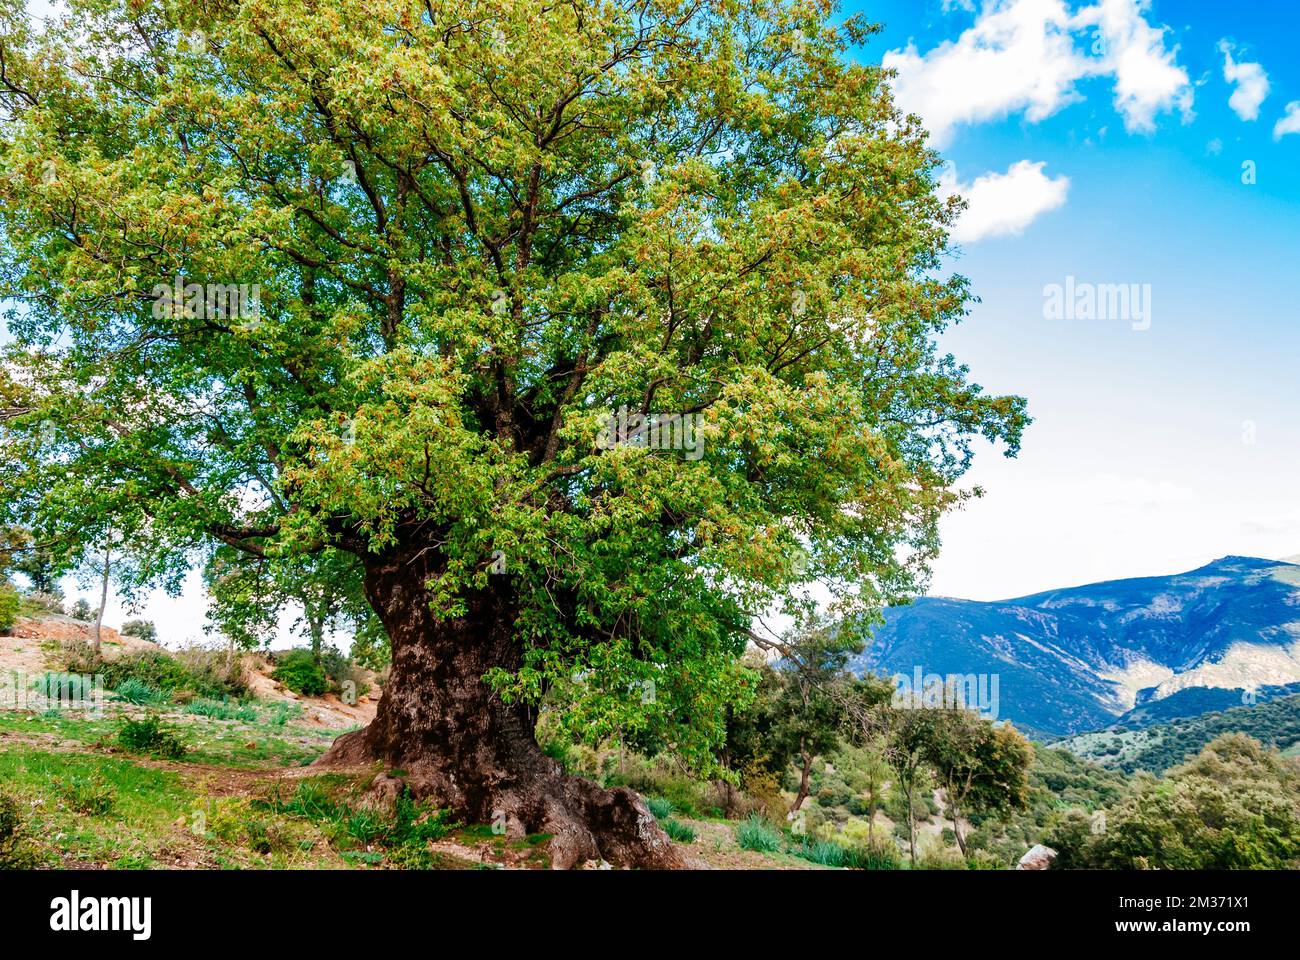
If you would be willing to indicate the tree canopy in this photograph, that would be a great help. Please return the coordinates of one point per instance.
(296, 276)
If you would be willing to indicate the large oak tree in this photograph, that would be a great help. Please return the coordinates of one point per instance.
(479, 229)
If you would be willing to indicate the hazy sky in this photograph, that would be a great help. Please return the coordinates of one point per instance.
(1114, 142)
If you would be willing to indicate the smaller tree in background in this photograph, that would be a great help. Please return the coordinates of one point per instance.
(808, 712)
(248, 594)
(979, 765)
(141, 630)
(902, 736)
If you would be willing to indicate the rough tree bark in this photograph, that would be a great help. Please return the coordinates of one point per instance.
(103, 603)
(805, 773)
(465, 749)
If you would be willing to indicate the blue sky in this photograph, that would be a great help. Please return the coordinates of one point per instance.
(1103, 141)
(1153, 450)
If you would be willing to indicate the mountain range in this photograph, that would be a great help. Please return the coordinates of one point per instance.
(1123, 652)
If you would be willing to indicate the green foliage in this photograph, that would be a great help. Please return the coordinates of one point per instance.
(758, 835)
(137, 691)
(659, 806)
(10, 604)
(140, 629)
(200, 672)
(1156, 748)
(224, 709)
(681, 832)
(1235, 806)
(1060, 785)
(298, 670)
(281, 712)
(878, 854)
(81, 610)
(405, 835)
(65, 686)
(150, 735)
(656, 205)
(825, 852)
(370, 648)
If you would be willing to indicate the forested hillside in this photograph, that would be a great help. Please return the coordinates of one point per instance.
(1158, 747)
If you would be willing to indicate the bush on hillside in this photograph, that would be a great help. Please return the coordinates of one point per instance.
(197, 672)
(81, 610)
(38, 602)
(758, 835)
(298, 670)
(10, 604)
(340, 670)
(140, 629)
(150, 735)
(136, 691)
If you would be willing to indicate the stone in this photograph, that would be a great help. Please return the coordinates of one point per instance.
(1038, 857)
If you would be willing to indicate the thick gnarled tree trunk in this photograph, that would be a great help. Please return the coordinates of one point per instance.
(465, 749)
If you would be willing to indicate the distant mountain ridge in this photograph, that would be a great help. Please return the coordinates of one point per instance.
(1080, 658)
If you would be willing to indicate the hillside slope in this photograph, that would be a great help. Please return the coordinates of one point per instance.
(1158, 747)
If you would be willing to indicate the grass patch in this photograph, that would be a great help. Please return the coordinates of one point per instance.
(823, 852)
(758, 835)
(404, 836)
(223, 709)
(681, 832)
(134, 690)
(89, 794)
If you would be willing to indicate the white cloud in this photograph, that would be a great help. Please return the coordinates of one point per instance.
(1001, 204)
(1289, 123)
(1025, 56)
(1147, 77)
(1250, 84)
(1018, 56)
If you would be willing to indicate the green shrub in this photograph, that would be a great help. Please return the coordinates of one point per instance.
(65, 686)
(560, 752)
(681, 832)
(825, 852)
(660, 777)
(416, 823)
(298, 670)
(339, 669)
(661, 808)
(10, 604)
(880, 854)
(141, 630)
(197, 671)
(91, 795)
(406, 833)
(758, 835)
(150, 735)
(81, 610)
(136, 691)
